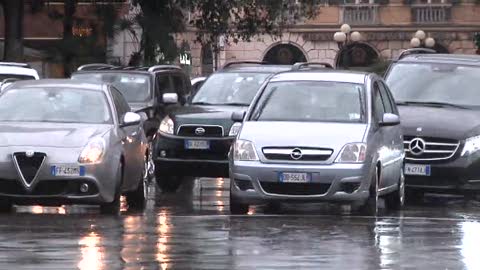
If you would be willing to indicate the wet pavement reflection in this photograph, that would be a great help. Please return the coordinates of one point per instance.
(192, 229)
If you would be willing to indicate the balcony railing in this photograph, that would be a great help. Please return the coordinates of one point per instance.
(431, 13)
(360, 14)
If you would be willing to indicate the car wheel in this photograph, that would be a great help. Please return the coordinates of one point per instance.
(237, 208)
(396, 200)
(138, 199)
(5, 206)
(169, 184)
(370, 207)
(113, 208)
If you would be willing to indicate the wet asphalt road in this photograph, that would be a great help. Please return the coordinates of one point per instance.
(193, 230)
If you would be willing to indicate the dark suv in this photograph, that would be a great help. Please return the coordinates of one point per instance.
(438, 97)
(194, 140)
(146, 89)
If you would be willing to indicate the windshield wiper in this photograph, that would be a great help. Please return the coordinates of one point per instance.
(236, 104)
(202, 103)
(433, 104)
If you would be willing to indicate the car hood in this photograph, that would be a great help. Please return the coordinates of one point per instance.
(306, 134)
(205, 115)
(49, 134)
(440, 122)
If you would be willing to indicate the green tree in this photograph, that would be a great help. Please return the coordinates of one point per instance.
(233, 20)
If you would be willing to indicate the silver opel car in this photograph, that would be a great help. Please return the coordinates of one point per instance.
(66, 142)
(317, 135)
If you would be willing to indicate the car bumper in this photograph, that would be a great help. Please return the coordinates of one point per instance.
(101, 178)
(172, 158)
(454, 176)
(256, 183)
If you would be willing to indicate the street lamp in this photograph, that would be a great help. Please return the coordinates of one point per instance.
(420, 39)
(345, 36)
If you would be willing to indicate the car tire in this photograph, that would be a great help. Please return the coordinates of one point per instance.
(137, 199)
(169, 184)
(396, 199)
(370, 207)
(237, 208)
(5, 206)
(113, 208)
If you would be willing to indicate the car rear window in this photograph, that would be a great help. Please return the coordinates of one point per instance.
(311, 101)
(134, 87)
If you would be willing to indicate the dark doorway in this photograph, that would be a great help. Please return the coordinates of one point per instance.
(357, 56)
(284, 54)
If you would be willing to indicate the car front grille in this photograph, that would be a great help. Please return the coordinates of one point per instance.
(200, 131)
(297, 153)
(197, 154)
(295, 188)
(28, 166)
(433, 148)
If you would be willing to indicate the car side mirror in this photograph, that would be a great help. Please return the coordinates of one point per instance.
(170, 98)
(131, 119)
(390, 119)
(238, 116)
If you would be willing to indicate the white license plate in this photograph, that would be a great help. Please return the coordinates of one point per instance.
(417, 169)
(288, 177)
(196, 144)
(68, 170)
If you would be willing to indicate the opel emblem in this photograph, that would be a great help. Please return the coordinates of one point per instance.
(417, 146)
(296, 154)
(200, 131)
(29, 153)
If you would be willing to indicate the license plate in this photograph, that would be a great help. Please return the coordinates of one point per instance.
(417, 169)
(68, 170)
(288, 177)
(195, 144)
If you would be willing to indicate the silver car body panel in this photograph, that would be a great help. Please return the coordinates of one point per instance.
(384, 148)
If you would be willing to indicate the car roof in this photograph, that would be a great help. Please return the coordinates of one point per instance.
(257, 68)
(18, 70)
(57, 83)
(322, 75)
(461, 59)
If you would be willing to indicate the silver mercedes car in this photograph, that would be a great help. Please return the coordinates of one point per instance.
(67, 142)
(315, 135)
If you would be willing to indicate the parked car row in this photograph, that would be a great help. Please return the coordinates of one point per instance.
(303, 132)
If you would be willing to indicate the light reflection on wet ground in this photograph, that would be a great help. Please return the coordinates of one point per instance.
(192, 229)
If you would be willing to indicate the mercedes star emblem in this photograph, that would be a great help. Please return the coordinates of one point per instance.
(296, 154)
(199, 131)
(417, 146)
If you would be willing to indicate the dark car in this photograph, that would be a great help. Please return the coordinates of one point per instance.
(194, 140)
(143, 87)
(438, 97)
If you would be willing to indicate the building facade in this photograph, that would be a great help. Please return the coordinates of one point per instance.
(386, 29)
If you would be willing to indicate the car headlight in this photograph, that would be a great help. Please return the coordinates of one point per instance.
(244, 151)
(235, 129)
(352, 153)
(166, 126)
(472, 145)
(93, 152)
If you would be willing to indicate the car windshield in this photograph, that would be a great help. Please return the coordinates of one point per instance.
(134, 87)
(435, 84)
(54, 105)
(230, 89)
(311, 101)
